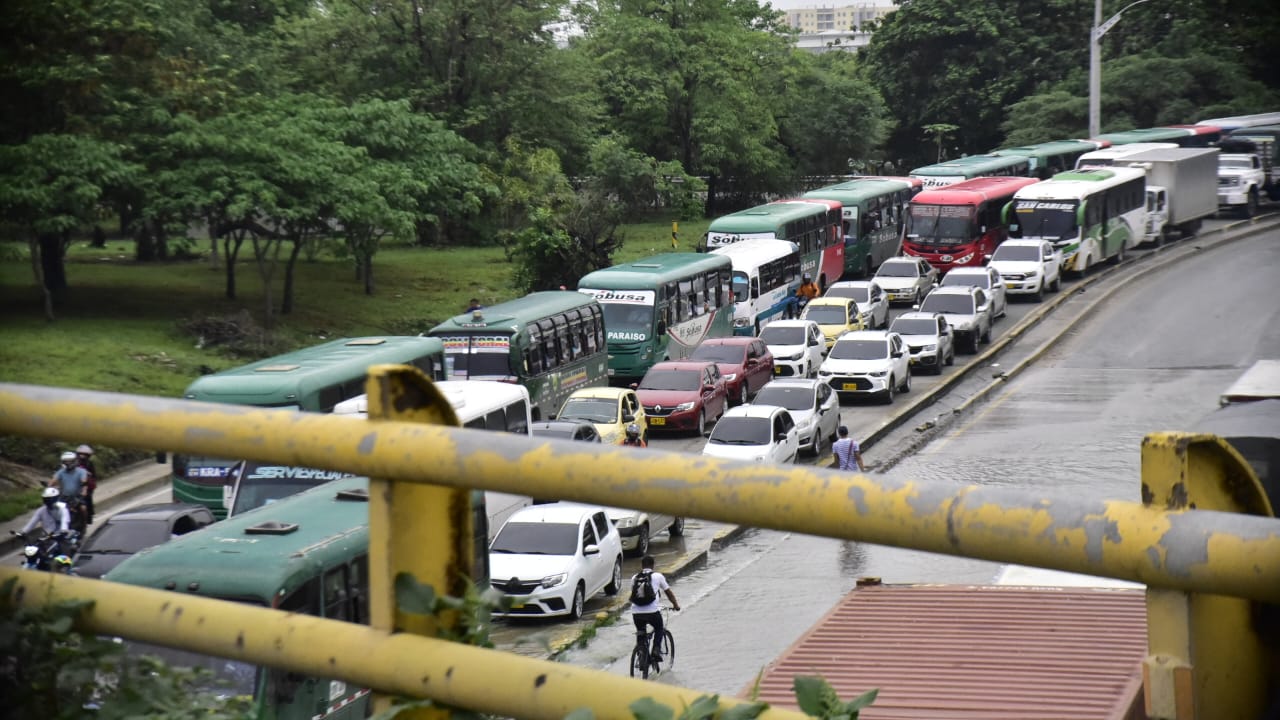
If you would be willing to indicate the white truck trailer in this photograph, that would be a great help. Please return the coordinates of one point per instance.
(1182, 189)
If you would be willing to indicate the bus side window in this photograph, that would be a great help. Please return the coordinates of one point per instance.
(358, 590)
(303, 600)
(335, 594)
(495, 421)
(476, 424)
(328, 397)
(517, 418)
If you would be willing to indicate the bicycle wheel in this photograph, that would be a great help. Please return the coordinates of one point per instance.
(668, 648)
(640, 662)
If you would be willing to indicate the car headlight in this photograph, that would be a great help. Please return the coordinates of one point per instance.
(929, 348)
(761, 458)
(684, 406)
(797, 356)
(730, 377)
(551, 581)
(825, 373)
(625, 522)
(878, 373)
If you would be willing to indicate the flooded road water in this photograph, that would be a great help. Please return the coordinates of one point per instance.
(1153, 357)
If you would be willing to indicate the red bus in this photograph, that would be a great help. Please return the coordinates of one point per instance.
(831, 259)
(960, 224)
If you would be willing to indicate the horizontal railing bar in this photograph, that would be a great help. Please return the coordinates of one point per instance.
(1194, 550)
(488, 681)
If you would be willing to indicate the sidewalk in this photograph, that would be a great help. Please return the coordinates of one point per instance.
(134, 480)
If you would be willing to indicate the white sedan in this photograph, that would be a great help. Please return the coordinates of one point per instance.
(873, 301)
(549, 559)
(812, 404)
(760, 433)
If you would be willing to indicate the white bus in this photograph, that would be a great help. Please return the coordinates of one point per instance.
(479, 405)
(1091, 215)
(766, 275)
(1106, 157)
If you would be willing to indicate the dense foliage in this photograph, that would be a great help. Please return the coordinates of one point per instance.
(272, 129)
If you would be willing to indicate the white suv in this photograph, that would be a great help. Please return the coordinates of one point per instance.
(797, 347)
(967, 310)
(812, 404)
(1028, 267)
(868, 362)
(985, 278)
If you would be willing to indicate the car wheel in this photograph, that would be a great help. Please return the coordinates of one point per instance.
(951, 355)
(579, 599)
(817, 443)
(986, 335)
(702, 423)
(906, 383)
(677, 527)
(615, 580)
(742, 392)
(1251, 206)
(1039, 294)
(889, 390)
(642, 541)
(1057, 284)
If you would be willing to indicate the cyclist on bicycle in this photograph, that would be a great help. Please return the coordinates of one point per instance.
(650, 613)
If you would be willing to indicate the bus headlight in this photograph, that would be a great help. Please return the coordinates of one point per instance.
(682, 407)
(741, 322)
(551, 581)
(963, 259)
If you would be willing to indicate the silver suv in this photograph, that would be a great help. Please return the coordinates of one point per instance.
(967, 310)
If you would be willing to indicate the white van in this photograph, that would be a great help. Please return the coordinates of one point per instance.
(480, 405)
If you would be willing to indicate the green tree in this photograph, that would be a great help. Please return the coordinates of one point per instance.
(832, 119)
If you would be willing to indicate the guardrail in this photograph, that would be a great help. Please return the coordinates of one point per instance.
(1210, 551)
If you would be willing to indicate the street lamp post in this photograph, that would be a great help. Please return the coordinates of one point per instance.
(1095, 62)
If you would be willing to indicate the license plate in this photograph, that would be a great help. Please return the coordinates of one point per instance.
(777, 370)
(914, 360)
(1011, 285)
(849, 387)
(657, 421)
(517, 606)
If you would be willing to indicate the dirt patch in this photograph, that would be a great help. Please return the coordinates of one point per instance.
(14, 477)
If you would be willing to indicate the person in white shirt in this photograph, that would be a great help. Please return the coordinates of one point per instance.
(848, 454)
(651, 613)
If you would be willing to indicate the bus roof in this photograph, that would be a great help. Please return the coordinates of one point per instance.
(1155, 134)
(1240, 121)
(1079, 183)
(1119, 151)
(756, 251)
(459, 393)
(1266, 131)
(974, 165)
(281, 379)
(973, 192)
(1049, 149)
(513, 315)
(825, 202)
(859, 190)
(650, 272)
(229, 560)
(763, 217)
(1260, 382)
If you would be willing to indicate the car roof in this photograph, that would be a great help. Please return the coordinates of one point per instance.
(829, 301)
(601, 391)
(566, 424)
(737, 340)
(1023, 241)
(969, 270)
(156, 511)
(688, 365)
(900, 259)
(559, 512)
(753, 411)
(954, 290)
(852, 283)
(918, 315)
(793, 382)
(866, 335)
(791, 323)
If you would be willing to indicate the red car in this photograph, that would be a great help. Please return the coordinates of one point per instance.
(683, 395)
(745, 363)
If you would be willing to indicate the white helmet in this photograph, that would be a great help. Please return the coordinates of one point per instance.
(68, 456)
(50, 492)
(84, 450)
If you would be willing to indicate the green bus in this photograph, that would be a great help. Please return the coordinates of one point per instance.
(308, 553)
(1182, 135)
(313, 379)
(812, 224)
(552, 343)
(661, 307)
(1050, 158)
(874, 209)
(973, 166)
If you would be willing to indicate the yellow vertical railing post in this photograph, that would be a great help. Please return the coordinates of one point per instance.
(1205, 658)
(422, 530)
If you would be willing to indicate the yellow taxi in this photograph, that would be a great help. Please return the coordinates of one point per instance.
(835, 316)
(610, 409)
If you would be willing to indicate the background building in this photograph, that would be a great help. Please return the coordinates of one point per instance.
(845, 27)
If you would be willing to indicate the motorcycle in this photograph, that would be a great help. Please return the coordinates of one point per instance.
(50, 553)
(79, 513)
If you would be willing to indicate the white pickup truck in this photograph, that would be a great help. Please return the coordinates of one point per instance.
(1240, 182)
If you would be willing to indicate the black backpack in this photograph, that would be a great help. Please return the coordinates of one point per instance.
(642, 588)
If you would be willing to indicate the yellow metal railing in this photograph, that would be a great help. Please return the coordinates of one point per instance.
(1198, 551)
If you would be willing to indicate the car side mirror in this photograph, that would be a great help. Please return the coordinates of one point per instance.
(708, 388)
(552, 416)
(781, 437)
(635, 386)
(628, 417)
(897, 353)
(591, 550)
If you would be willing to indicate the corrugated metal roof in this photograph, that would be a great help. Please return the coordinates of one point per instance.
(969, 652)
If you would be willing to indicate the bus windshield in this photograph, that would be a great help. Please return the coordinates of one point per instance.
(227, 678)
(471, 356)
(628, 319)
(941, 224)
(741, 286)
(1053, 219)
(262, 484)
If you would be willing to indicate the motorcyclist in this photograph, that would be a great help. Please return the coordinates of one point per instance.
(71, 481)
(84, 456)
(634, 437)
(808, 290)
(52, 517)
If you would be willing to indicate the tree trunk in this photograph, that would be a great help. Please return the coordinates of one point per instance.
(37, 269)
(213, 245)
(267, 256)
(161, 240)
(286, 304)
(368, 274)
(52, 263)
(708, 210)
(232, 240)
(144, 249)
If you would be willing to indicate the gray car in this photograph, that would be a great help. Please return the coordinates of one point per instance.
(967, 310)
(136, 529)
(984, 278)
(929, 339)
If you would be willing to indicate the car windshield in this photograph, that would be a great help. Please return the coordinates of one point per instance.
(1235, 163)
(1016, 253)
(772, 335)
(981, 280)
(540, 538)
(897, 269)
(741, 431)
(716, 352)
(860, 350)
(671, 380)
(915, 326)
(1053, 219)
(596, 410)
(789, 397)
(127, 536)
(861, 294)
(954, 304)
(826, 314)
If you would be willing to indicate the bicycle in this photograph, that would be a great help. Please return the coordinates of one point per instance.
(641, 661)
